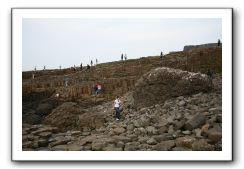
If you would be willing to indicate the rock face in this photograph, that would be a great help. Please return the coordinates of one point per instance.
(164, 83)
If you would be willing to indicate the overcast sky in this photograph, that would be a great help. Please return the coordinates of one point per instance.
(68, 42)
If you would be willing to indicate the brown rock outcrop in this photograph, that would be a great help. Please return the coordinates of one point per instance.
(163, 83)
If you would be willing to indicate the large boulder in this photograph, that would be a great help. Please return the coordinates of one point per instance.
(163, 83)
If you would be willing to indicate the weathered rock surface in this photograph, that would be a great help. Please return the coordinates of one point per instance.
(163, 83)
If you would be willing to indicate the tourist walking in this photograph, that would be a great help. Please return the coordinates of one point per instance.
(117, 106)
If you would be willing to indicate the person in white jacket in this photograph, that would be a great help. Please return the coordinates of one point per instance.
(117, 104)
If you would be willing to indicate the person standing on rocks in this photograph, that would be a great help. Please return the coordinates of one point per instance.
(117, 105)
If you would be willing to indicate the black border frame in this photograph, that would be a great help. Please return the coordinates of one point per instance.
(127, 161)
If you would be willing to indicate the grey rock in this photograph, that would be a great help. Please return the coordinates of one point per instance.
(184, 141)
(75, 133)
(59, 148)
(151, 141)
(132, 146)
(124, 139)
(162, 129)
(162, 122)
(202, 145)
(120, 144)
(179, 124)
(130, 127)
(215, 135)
(196, 121)
(171, 129)
(140, 131)
(119, 130)
(97, 146)
(27, 144)
(198, 133)
(43, 143)
(60, 142)
(142, 139)
(74, 147)
(165, 145)
(186, 132)
(151, 130)
(45, 135)
(182, 103)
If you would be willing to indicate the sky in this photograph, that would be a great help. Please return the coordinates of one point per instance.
(68, 42)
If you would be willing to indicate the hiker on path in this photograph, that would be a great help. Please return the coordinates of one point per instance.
(116, 107)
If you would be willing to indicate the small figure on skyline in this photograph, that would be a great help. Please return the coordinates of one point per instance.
(91, 62)
(122, 56)
(96, 61)
(125, 57)
(44, 68)
(219, 42)
(35, 68)
(161, 55)
(81, 66)
(60, 67)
